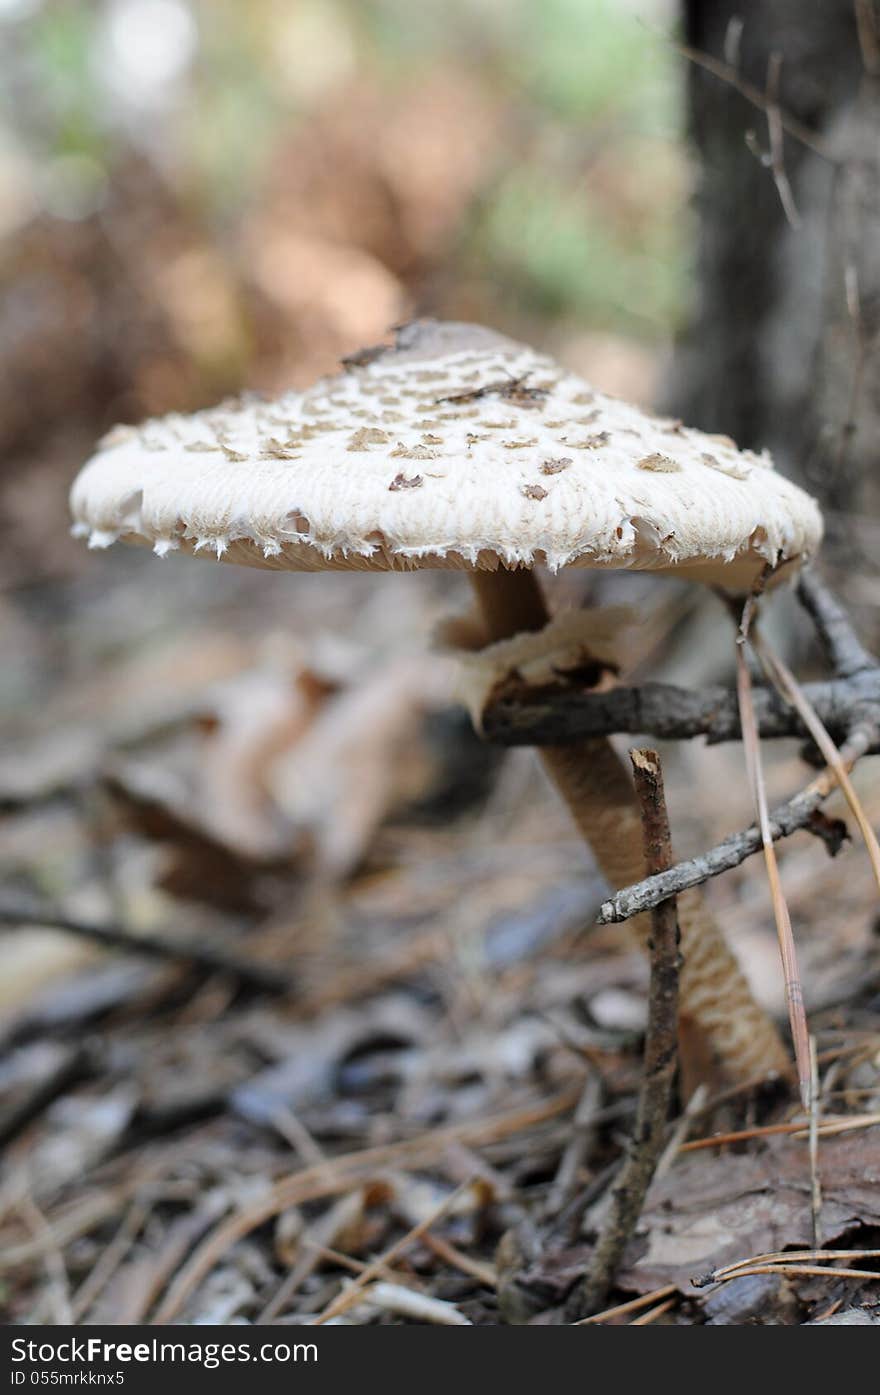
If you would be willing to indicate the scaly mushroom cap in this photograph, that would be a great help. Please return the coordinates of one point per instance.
(456, 448)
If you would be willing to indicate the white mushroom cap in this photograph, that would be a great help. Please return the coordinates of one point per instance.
(457, 448)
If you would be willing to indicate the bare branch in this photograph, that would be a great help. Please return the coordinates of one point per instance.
(673, 714)
(786, 819)
(847, 705)
(557, 717)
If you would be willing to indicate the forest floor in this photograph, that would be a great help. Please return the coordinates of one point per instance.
(371, 1029)
(304, 1014)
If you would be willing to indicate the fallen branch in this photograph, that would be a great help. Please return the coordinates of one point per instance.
(661, 1054)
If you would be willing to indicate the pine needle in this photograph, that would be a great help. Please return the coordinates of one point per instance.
(794, 995)
(815, 1179)
(807, 1271)
(727, 1271)
(654, 1313)
(632, 1306)
(796, 1128)
(349, 1295)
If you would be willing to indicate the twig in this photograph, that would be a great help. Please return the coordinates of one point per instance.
(315, 1245)
(775, 157)
(485, 1274)
(109, 1259)
(729, 1271)
(567, 714)
(408, 1302)
(784, 820)
(661, 1054)
(848, 1123)
(757, 98)
(777, 142)
(846, 653)
(849, 425)
(259, 978)
(53, 1260)
(679, 1134)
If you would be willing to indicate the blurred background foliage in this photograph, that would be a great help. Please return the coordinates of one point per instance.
(199, 194)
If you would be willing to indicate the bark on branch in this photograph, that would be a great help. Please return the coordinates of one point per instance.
(846, 654)
(850, 699)
(671, 713)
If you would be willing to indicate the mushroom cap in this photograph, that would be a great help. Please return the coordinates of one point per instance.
(455, 448)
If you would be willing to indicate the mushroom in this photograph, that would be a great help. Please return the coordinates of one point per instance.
(459, 448)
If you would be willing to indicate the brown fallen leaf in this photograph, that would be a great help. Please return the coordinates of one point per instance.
(360, 758)
(200, 866)
(258, 716)
(712, 1210)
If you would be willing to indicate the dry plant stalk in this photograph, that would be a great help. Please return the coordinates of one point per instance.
(661, 1055)
(716, 1001)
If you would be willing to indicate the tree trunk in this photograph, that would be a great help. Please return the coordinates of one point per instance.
(774, 356)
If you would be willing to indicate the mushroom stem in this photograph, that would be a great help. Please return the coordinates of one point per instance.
(718, 1013)
(511, 602)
